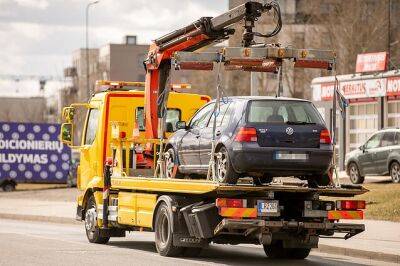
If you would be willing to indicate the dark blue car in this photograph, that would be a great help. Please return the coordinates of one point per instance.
(260, 137)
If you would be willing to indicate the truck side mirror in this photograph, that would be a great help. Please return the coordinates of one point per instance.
(181, 125)
(68, 114)
(66, 134)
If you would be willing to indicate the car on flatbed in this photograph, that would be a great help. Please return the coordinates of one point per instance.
(262, 137)
(379, 155)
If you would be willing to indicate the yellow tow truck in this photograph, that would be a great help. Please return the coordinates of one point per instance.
(118, 195)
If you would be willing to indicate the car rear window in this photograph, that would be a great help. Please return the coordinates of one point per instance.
(270, 111)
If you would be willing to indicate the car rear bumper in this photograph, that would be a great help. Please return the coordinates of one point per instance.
(249, 157)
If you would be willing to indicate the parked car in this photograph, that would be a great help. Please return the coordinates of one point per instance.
(380, 155)
(261, 137)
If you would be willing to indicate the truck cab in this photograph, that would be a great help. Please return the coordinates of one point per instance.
(120, 102)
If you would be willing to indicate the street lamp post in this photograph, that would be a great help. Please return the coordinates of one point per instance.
(88, 90)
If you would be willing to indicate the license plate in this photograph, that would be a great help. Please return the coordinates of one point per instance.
(266, 207)
(290, 156)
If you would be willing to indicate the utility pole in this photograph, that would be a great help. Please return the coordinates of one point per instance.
(88, 89)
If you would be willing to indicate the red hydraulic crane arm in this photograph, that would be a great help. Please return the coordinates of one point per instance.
(199, 34)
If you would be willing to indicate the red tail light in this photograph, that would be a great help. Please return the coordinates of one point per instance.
(325, 137)
(231, 203)
(246, 134)
(350, 205)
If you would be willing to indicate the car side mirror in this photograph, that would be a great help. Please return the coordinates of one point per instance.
(361, 148)
(181, 125)
(66, 134)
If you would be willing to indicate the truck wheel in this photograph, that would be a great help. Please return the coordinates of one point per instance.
(225, 172)
(170, 164)
(9, 187)
(354, 174)
(277, 251)
(192, 252)
(298, 253)
(163, 232)
(395, 172)
(92, 230)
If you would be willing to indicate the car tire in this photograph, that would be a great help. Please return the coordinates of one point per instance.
(91, 228)
(354, 174)
(8, 187)
(170, 164)
(224, 169)
(163, 232)
(395, 172)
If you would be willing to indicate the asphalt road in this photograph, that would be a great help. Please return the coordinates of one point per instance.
(35, 243)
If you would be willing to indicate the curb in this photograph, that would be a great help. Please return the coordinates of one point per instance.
(39, 218)
(357, 253)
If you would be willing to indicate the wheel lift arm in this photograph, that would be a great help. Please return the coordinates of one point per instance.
(199, 34)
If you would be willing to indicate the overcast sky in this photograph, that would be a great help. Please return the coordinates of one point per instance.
(37, 37)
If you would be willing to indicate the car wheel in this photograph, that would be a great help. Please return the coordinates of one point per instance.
(354, 174)
(92, 230)
(170, 164)
(395, 172)
(8, 187)
(224, 170)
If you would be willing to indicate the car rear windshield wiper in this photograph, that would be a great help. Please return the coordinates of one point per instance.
(299, 123)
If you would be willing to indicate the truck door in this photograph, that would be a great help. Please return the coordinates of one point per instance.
(89, 148)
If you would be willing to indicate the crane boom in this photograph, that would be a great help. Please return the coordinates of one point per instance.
(198, 34)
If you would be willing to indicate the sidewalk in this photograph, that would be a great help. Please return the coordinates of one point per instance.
(380, 241)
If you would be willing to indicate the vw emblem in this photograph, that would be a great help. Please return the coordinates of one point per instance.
(289, 131)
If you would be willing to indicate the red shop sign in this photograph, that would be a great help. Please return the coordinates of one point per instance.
(372, 62)
(393, 86)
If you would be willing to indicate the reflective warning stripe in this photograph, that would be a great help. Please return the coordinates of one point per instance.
(336, 215)
(238, 212)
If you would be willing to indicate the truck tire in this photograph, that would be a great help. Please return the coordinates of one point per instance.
(224, 169)
(163, 232)
(277, 251)
(192, 252)
(354, 174)
(92, 230)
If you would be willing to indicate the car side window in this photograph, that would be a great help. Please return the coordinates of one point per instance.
(387, 139)
(201, 118)
(397, 138)
(220, 115)
(91, 127)
(374, 141)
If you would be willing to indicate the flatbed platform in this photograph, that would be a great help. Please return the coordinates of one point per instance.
(206, 187)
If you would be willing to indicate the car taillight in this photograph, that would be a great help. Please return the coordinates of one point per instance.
(325, 137)
(231, 203)
(350, 205)
(246, 134)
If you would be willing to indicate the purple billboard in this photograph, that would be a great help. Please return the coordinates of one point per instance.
(31, 152)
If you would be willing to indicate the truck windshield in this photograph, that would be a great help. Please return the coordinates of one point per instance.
(283, 112)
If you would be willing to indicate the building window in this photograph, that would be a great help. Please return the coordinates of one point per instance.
(363, 123)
